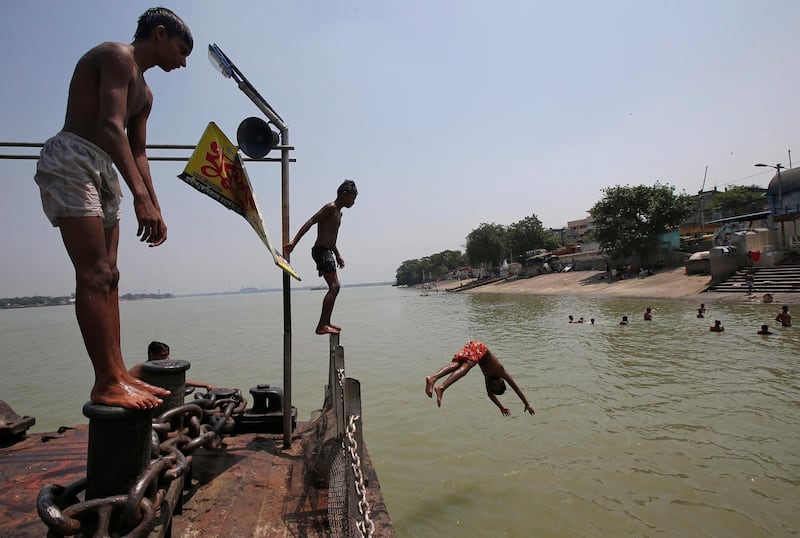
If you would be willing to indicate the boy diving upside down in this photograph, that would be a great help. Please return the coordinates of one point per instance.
(494, 373)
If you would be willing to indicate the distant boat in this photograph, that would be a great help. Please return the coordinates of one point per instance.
(248, 290)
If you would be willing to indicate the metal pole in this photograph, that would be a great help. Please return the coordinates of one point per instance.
(780, 204)
(287, 297)
(225, 66)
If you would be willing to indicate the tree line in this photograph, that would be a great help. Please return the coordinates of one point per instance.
(42, 300)
(627, 221)
(34, 300)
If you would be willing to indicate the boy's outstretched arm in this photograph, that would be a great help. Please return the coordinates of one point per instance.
(510, 381)
(505, 410)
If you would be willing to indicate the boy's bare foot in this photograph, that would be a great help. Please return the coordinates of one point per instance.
(429, 381)
(335, 326)
(439, 391)
(124, 394)
(147, 387)
(328, 329)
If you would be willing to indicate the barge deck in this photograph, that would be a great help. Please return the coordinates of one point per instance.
(251, 487)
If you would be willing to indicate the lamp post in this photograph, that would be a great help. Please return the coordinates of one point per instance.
(777, 167)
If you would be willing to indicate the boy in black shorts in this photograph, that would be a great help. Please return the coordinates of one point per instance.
(325, 254)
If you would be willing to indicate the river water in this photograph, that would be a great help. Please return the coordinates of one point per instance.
(660, 428)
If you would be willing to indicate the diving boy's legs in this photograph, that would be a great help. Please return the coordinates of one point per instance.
(443, 371)
(461, 371)
(456, 369)
(93, 251)
(324, 326)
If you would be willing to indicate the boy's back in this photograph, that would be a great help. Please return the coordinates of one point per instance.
(100, 71)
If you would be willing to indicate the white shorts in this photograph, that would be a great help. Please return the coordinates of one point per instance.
(77, 179)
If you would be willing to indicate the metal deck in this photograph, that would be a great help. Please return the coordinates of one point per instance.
(253, 487)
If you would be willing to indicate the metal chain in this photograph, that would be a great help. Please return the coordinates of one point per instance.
(365, 527)
(340, 377)
(206, 419)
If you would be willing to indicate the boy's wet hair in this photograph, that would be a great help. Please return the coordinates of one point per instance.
(156, 347)
(156, 16)
(347, 186)
(497, 385)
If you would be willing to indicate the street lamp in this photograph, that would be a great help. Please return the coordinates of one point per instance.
(777, 167)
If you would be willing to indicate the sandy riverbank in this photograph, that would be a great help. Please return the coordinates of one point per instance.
(668, 284)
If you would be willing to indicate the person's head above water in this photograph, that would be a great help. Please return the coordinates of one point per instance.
(157, 351)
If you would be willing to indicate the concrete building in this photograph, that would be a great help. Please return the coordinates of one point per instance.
(578, 228)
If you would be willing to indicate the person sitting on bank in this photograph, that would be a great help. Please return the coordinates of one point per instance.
(784, 316)
(717, 327)
(764, 330)
(494, 374)
(159, 351)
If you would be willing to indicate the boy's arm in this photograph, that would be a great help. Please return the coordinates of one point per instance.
(510, 381)
(116, 73)
(315, 218)
(339, 259)
(199, 385)
(137, 136)
(136, 371)
(289, 247)
(505, 410)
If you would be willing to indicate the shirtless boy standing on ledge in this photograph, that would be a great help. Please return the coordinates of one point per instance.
(108, 106)
(325, 254)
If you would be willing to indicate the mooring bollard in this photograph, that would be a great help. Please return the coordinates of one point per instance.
(119, 448)
(119, 439)
(168, 374)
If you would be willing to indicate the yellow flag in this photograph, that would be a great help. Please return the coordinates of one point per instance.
(216, 169)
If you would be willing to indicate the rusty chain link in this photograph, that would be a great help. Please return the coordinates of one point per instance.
(204, 421)
(365, 527)
(340, 377)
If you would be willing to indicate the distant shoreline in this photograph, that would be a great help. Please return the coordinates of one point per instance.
(666, 284)
(41, 301)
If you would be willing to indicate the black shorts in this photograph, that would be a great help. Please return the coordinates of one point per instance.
(325, 258)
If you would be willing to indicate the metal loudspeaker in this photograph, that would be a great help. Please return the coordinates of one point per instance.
(255, 138)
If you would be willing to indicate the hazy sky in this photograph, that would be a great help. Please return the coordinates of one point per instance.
(447, 115)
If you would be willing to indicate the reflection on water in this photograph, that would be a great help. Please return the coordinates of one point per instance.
(658, 428)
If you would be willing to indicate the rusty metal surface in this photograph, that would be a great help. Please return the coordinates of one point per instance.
(256, 488)
(253, 487)
(27, 466)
